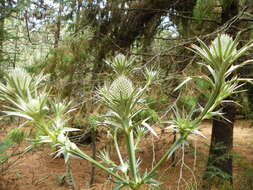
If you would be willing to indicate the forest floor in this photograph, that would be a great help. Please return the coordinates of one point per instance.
(37, 170)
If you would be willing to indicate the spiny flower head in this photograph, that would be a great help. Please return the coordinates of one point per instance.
(121, 88)
(221, 45)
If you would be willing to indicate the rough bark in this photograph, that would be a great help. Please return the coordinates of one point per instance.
(219, 169)
(2, 19)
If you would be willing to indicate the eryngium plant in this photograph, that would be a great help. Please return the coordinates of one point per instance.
(124, 101)
(219, 60)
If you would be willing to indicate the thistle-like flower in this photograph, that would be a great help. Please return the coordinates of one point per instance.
(218, 58)
(121, 88)
(222, 52)
(121, 65)
(221, 46)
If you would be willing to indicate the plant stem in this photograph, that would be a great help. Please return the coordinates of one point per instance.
(131, 155)
(117, 147)
(79, 154)
(167, 155)
(93, 145)
(70, 175)
(174, 153)
(211, 100)
(76, 152)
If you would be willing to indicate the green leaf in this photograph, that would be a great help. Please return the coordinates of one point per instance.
(182, 83)
(5, 145)
(149, 127)
(118, 186)
(18, 115)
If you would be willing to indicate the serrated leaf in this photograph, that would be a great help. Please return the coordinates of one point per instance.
(199, 133)
(149, 127)
(68, 129)
(182, 83)
(18, 115)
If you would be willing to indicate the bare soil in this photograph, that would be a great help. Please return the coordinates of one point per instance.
(37, 170)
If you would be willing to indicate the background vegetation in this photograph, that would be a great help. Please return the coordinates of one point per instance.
(75, 41)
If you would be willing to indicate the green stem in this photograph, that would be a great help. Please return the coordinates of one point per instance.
(117, 147)
(167, 155)
(212, 100)
(78, 153)
(131, 155)
(118, 152)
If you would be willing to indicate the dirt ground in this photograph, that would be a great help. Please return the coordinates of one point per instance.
(37, 170)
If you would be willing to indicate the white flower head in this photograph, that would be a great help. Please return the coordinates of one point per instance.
(121, 88)
(222, 44)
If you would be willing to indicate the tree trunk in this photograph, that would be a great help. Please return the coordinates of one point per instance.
(2, 19)
(222, 139)
(78, 16)
(219, 167)
(58, 25)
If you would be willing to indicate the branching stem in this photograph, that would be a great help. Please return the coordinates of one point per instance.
(167, 155)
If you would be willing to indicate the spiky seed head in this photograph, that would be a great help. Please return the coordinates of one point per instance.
(121, 88)
(226, 42)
